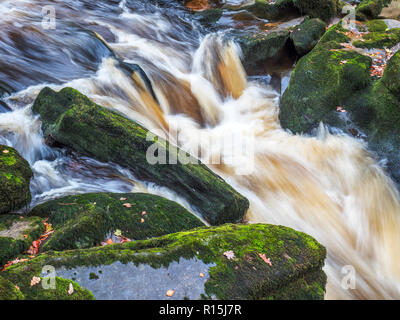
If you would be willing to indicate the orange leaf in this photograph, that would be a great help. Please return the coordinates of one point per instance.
(170, 293)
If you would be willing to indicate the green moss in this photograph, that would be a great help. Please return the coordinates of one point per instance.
(376, 25)
(381, 40)
(323, 9)
(14, 244)
(73, 120)
(370, 9)
(295, 258)
(208, 17)
(93, 276)
(258, 47)
(306, 35)
(321, 81)
(82, 221)
(8, 291)
(15, 175)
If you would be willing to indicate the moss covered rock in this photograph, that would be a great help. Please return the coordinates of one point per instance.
(323, 80)
(306, 35)
(331, 75)
(8, 291)
(208, 17)
(71, 119)
(15, 175)
(258, 47)
(379, 39)
(83, 221)
(323, 9)
(17, 234)
(226, 262)
(370, 9)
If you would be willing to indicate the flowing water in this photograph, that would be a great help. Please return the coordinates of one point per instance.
(328, 186)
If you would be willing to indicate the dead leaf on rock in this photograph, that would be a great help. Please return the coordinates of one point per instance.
(170, 293)
(35, 281)
(229, 254)
(71, 289)
(266, 260)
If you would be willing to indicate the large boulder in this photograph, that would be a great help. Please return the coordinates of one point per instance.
(337, 75)
(17, 234)
(86, 220)
(71, 119)
(15, 176)
(323, 80)
(226, 262)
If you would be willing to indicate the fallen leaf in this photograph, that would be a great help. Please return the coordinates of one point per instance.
(71, 289)
(170, 293)
(229, 254)
(35, 281)
(266, 260)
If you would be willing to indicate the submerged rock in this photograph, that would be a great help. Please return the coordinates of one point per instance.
(71, 119)
(307, 34)
(83, 221)
(17, 234)
(15, 176)
(226, 262)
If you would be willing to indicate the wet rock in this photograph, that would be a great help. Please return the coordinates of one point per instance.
(258, 47)
(16, 235)
(306, 35)
(332, 75)
(370, 9)
(15, 175)
(226, 262)
(8, 291)
(323, 80)
(84, 221)
(208, 17)
(5, 89)
(323, 9)
(4, 107)
(72, 120)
